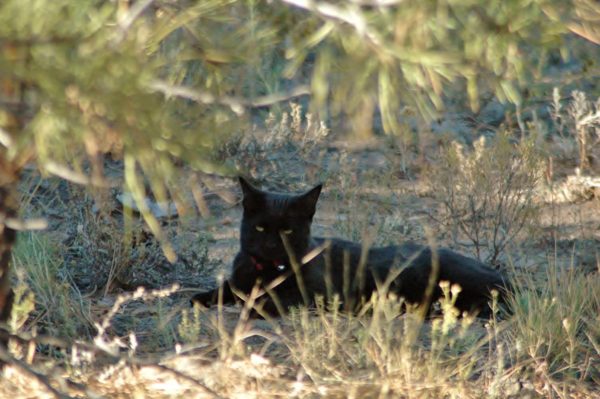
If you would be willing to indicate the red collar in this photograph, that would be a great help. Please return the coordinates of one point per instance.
(259, 266)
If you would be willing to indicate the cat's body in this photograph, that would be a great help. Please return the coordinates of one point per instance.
(337, 267)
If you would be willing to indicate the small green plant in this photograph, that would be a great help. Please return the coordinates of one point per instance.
(60, 309)
(188, 329)
(23, 306)
(555, 329)
(488, 195)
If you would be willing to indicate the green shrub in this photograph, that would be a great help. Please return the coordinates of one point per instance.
(488, 194)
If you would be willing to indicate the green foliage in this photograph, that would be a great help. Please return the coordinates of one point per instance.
(82, 75)
(410, 51)
(89, 66)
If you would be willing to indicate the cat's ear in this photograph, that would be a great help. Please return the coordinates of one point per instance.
(253, 197)
(308, 200)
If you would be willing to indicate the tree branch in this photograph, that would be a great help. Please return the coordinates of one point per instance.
(237, 104)
(349, 15)
(68, 174)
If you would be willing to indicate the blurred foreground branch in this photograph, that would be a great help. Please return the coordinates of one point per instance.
(237, 104)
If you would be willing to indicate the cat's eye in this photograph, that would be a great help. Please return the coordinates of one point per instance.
(260, 228)
(287, 232)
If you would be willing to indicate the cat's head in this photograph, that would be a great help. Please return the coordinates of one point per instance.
(268, 215)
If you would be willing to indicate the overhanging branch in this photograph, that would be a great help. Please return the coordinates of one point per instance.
(236, 104)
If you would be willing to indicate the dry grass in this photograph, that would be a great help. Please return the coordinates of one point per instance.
(112, 341)
(542, 350)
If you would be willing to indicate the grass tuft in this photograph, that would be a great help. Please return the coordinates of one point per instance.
(60, 309)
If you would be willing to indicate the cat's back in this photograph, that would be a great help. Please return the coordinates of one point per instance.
(386, 254)
(416, 260)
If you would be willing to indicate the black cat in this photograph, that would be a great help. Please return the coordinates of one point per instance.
(273, 221)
